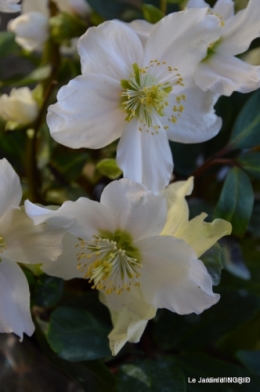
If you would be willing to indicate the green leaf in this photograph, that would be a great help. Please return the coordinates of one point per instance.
(93, 376)
(236, 201)
(7, 43)
(48, 291)
(75, 335)
(251, 163)
(203, 366)
(251, 359)
(109, 168)
(246, 131)
(151, 13)
(212, 259)
(254, 224)
(195, 332)
(160, 375)
(110, 9)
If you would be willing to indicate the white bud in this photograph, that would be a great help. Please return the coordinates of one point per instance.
(31, 30)
(19, 107)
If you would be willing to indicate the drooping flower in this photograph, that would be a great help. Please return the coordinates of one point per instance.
(220, 71)
(20, 242)
(9, 6)
(32, 27)
(126, 247)
(145, 95)
(19, 107)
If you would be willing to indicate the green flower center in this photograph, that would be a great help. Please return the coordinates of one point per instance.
(144, 96)
(113, 265)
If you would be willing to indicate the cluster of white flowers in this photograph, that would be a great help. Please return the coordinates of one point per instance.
(144, 84)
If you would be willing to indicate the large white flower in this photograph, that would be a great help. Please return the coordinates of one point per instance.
(19, 107)
(221, 71)
(20, 242)
(118, 245)
(145, 95)
(9, 6)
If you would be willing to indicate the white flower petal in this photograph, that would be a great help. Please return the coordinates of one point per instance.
(240, 30)
(110, 49)
(27, 243)
(177, 206)
(130, 314)
(82, 218)
(36, 6)
(198, 121)
(197, 4)
(224, 74)
(88, 113)
(173, 278)
(181, 39)
(144, 157)
(202, 235)
(9, 6)
(138, 212)
(15, 313)
(10, 190)
(224, 8)
(142, 29)
(65, 266)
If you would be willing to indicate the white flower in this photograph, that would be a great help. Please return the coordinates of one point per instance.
(9, 6)
(221, 71)
(19, 107)
(79, 7)
(143, 95)
(20, 242)
(117, 245)
(32, 27)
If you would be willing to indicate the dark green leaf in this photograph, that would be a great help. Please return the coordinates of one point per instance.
(246, 131)
(160, 375)
(236, 201)
(251, 359)
(48, 291)
(251, 163)
(7, 43)
(254, 225)
(152, 14)
(93, 376)
(110, 9)
(194, 332)
(202, 366)
(75, 335)
(232, 258)
(212, 259)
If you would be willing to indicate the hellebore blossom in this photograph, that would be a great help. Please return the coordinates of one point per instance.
(220, 71)
(126, 247)
(32, 27)
(145, 95)
(20, 242)
(9, 6)
(19, 107)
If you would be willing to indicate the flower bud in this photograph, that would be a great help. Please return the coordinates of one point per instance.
(19, 107)
(31, 30)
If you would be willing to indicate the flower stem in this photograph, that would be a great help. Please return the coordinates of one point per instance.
(163, 6)
(215, 159)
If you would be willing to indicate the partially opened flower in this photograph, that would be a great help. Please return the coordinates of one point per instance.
(117, 245)
(145, 95)
(19, 106)
(221, 71)
(20, 242)
(9, 6)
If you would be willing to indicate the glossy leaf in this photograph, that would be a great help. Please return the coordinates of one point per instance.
(160, 375)
(109, 168)
(251, 359)
(236, 201)
(75, 335)
(212, 259)
(7, 43)
(48, 291)
(246, 131)
(250, 162)
(152, 14)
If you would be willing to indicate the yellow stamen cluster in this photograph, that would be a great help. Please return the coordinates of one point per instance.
(145, 94)
(178, 108)
(211, 12)
(109, 267)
